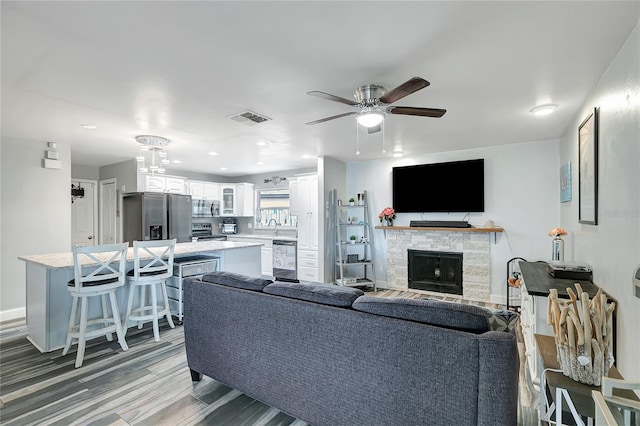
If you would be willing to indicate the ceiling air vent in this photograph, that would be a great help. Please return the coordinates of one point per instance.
(249, 118)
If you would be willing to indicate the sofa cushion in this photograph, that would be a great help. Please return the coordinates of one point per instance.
(232, 279)
(326, 294)
(452, 315)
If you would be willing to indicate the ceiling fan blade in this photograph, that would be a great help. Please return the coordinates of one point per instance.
(334, 98)
(422, 112)
(333, 117)
(374, 129)
(408, 87)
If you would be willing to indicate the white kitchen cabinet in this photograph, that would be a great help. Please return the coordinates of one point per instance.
(238, 199)
(245, 197)
(170, 184)
(306, 205)
(228, 201)
(303, 196)
(196, 189)
(211, 191)
(200, 190)
(266, 255)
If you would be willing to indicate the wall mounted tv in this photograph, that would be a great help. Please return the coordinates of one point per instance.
(456, 186)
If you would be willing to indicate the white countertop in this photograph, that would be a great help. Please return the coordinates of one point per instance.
(65, 260)
(263, 237)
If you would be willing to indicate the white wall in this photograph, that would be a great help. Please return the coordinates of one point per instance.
(612, 247)
(522, 195)
(36, 214)
(79, 171)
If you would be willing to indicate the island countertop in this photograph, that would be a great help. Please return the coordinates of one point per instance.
(65, 260)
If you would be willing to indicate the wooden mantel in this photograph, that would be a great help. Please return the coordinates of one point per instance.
(420, 228)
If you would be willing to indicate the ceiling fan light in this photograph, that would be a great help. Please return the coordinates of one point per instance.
(370, 119)
(545, 109)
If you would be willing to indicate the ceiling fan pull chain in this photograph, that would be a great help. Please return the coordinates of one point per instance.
(357, 139)
(384, 151)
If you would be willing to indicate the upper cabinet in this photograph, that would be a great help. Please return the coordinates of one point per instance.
(237, 199)
(170, 184)
(200, 190)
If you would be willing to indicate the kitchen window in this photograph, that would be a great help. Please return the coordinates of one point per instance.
(273, 204)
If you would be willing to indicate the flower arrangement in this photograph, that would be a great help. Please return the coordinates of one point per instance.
(387, 214)
(557, 231)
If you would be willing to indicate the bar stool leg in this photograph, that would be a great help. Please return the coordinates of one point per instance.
(143, 303)
(165, 296)
(72, 323)
(132, 289)
(82, 332)
(116, 320)
(154, 310)
(105, 314)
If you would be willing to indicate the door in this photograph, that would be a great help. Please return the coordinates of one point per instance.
(108, 216)
(84, 210)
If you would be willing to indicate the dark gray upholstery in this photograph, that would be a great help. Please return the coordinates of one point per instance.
(232, 279)
(334, 366)
(314, 292)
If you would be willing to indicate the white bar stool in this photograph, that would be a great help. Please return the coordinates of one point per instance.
(157, 265)
(102, 281)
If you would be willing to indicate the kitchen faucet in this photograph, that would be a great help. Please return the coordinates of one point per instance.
(275, 229)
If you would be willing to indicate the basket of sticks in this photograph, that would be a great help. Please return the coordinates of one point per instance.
(583, 334)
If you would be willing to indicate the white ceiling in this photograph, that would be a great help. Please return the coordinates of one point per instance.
(180, 69)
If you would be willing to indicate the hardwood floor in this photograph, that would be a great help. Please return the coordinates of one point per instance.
(149, 384)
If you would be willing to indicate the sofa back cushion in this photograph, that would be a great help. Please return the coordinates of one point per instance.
(458, 316)
(232, 279)
(326, 294)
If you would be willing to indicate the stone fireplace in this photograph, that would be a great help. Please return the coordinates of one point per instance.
(474, 246)
(435, 271)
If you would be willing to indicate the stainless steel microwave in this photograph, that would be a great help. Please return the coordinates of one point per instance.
(205, 208)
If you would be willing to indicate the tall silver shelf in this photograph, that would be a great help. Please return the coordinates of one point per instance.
(354, 266)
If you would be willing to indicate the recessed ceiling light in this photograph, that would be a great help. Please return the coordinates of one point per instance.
(261, 143)
(260, 163)
(544, 109)
(223, 168)
(397, 153)
(306, 156)
(176, 161)
(213, 153)
(89, 126)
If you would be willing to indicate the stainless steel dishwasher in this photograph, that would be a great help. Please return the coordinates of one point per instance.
(285, 259)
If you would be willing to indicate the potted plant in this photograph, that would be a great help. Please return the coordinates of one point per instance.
(352, 201)
(353, 239)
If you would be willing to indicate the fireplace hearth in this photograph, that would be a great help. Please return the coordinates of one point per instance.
(435, 271)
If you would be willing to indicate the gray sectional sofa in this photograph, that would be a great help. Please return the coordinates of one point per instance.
(330, 355)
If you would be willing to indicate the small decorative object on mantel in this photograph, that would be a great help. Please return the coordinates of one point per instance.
(583, 334)
(557, 244)
(352, 201)
(388, 214)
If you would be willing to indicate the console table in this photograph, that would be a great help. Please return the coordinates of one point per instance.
(535, 286)
(577, 396)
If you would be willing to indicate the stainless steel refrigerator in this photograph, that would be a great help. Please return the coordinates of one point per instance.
(156, 216)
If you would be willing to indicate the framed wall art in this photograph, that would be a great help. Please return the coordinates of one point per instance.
(565, 182)
(588, 169)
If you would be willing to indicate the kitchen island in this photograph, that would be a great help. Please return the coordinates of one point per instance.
(49, 302)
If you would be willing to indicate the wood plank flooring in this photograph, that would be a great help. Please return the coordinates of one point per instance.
(149, 384)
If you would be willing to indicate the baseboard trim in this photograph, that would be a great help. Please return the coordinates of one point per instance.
(12, 314)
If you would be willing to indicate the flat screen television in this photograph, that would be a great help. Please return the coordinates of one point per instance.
(456, 186)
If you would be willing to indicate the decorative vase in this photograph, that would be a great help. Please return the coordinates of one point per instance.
(389, 222)
(557, 249)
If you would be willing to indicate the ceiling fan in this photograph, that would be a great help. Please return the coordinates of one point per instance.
(371, 97)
